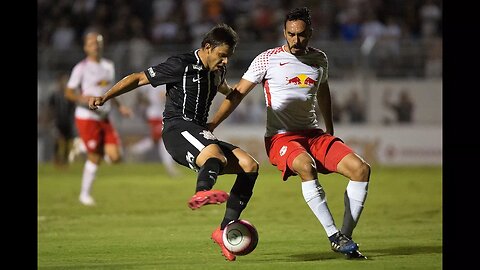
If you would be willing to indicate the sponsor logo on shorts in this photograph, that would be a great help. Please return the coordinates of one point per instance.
(283, 150)
(208, 135)
(151, 72)
(92, 144)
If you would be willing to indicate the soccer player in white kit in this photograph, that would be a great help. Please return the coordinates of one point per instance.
(295, 80)
(93, 76)
(154, 99)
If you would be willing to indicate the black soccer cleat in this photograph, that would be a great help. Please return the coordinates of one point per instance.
(341, 243)
(355, 255)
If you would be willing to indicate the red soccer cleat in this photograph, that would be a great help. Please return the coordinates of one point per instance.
(217, 237)
(202, 198)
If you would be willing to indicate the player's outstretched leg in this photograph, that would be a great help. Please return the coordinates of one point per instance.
(217, 237)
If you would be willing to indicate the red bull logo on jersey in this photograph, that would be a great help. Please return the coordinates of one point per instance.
(103, 83)
(301, 80)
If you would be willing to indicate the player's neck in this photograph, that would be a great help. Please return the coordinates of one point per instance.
(203, 57)
(94, 58)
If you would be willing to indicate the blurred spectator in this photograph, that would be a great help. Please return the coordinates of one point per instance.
(139, 46)
(372, 27)
(213, 10)
(337, 110)
(354, 108)
(388, 49)
(265, 20)
(433, 62)
(430, 18)
(63, 37)
(61, 113)
(338, 19)
(403, 108)
(349, 24)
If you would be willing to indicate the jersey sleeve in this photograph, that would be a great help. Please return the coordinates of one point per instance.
(167, 72)
(257, 69)
(75, 77)
(324, 65)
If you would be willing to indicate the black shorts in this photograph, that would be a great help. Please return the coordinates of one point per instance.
(184, 140)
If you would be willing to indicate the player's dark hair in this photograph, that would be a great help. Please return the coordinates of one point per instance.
(221, 34)
(302, 13)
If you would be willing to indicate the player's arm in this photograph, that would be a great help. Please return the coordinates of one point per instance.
(325, 106)
(72, 95)
(127, 84)
(231, 102)
(225, 89)
(74, 82)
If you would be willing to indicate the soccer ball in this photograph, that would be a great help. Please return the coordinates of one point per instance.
(240, 237)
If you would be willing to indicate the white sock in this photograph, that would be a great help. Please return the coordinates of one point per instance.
(314, 195)
(89, 172)
(354, 198)
(167, 160)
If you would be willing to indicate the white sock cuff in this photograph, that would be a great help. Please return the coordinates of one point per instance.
(90, 166)
(357, 190)
(311, 189)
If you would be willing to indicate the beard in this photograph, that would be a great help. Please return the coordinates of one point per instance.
(296, 49)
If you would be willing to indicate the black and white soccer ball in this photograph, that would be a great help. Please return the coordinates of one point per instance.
(240, 237)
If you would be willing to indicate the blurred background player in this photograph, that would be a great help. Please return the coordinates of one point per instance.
(61, 112)
(192, 80)
(295, 81)
(151, 103)
(93, 76)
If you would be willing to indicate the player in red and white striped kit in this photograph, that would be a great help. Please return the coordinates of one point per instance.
(295, 81)
(93, 76)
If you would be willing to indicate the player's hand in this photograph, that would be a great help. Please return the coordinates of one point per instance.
(94, 102)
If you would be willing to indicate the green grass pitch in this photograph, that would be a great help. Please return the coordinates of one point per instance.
(142, 221)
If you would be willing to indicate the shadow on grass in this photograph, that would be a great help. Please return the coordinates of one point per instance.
(370, 253)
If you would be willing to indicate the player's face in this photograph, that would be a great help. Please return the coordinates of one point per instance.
(93, 45)
(297, 35)
(217, 58)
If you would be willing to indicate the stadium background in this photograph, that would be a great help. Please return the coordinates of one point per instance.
(376, 49)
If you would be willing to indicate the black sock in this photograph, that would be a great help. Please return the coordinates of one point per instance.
(240, 194)
(207, 176)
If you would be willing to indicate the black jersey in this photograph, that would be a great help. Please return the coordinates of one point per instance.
(190, 87)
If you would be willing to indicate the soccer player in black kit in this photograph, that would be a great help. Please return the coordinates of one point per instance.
(192, 80)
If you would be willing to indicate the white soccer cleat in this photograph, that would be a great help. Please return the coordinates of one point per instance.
(87, 200)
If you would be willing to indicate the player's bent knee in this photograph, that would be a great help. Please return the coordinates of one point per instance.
(304, 166)
(361, 172)
(249, 165)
